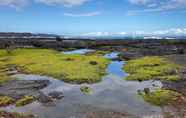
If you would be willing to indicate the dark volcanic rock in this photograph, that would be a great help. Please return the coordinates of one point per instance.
(93, 62)
(19, 88)
(5, 114)
(130, 55)
(179, 85)
(44, 98)
(147, 91)
(56, 95)
(108, 114)
(55, 42)
(151, 51)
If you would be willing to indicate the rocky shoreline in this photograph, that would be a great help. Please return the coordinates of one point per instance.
(17, 89)
(128, 49)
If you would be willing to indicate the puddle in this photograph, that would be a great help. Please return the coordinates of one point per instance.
(112, 55)
(79, 51)
(113, 93)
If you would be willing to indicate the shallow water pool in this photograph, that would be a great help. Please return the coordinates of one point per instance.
(112, 93)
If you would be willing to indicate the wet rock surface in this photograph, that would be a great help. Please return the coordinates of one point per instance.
(179, 85)
(151, 51)
(19, 88)
(56, 95)
(107, 114)
(43, 98)
(4, 114)
(127, 55)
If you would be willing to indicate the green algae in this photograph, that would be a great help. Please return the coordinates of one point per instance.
(71, 68)
(24, 101)
(147, 68)
(5, 101)
(160, 97)
(86, 90)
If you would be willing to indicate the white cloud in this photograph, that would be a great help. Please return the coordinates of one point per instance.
(21, 3)
(67, 3)
(83, 14)
(141, 2)
(157, 6)
(156, 33)
(96, 34)
(14, 3)
(173, 31)
(122, 33)
(104, 33)
(152, 5)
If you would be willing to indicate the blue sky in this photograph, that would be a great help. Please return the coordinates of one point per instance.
(94, 17)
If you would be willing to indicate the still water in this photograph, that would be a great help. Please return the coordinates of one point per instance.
(112, 93)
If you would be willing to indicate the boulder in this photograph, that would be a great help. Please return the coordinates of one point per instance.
(56, 95)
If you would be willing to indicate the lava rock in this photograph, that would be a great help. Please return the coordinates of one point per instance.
(147, 91)
(19, 88)
(56, 95)
(44, 98)
(93, 62)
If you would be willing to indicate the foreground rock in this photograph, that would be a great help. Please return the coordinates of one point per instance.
(107, 114)
(56, 95)
(179, 85)
(4, 114)
(42, 98)
(16, 89)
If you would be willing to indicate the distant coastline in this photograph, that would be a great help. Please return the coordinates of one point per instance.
(27, 35)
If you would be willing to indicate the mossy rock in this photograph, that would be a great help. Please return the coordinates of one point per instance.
(24, 101)
(93, 62)
(4, 73)
(154, 67)
(5, 101)
(98, 53)
(160, 97)
(5, 114)
(86, 89)
(71, 68)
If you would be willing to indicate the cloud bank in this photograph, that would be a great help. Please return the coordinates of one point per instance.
(21, 3)
(157, 5)
(168, 32)
(14, 3)
(139, 2)
(67, 3)
(148, 5)
(83, 14)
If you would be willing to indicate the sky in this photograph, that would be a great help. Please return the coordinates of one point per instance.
(94, 17)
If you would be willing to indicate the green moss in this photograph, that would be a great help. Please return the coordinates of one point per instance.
(5, 114)
(86, 90)
(98, 52)
(4, 67)
(5, 100)
(160, 97)
(70, 68)
(24, 101)
(147, 68)
(170, 77)
(4, 78)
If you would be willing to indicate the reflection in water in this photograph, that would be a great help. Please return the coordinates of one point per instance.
(111, 55)
(80, 51)
(112, 93)
(115, 68)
